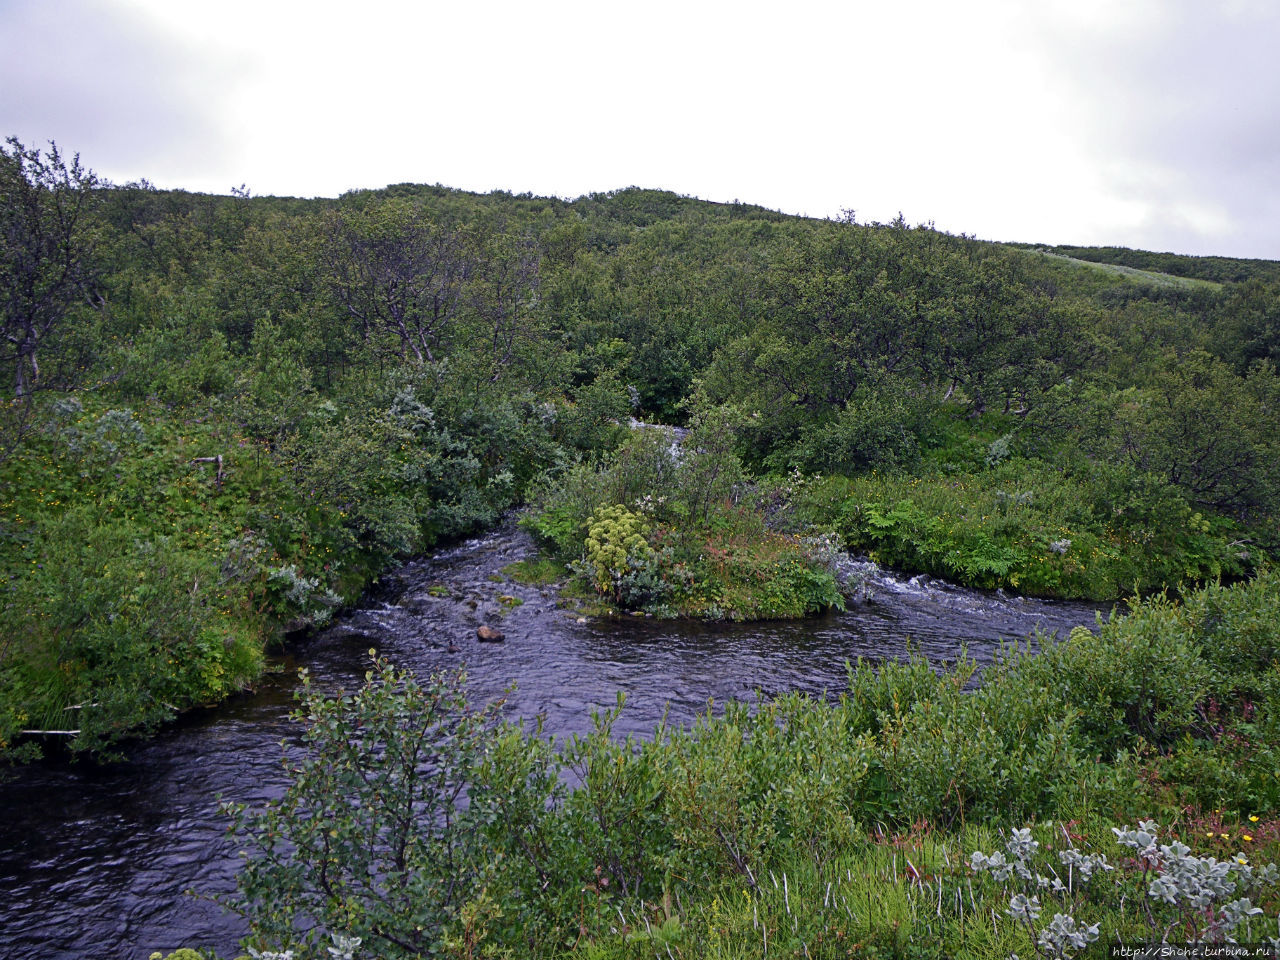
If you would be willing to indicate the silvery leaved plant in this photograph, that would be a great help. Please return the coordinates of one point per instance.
(1022, 907)
(344, 947)
(1083, 864)
(1194, 885)
(1020, 845)
(1194, 894)
(1063, 935)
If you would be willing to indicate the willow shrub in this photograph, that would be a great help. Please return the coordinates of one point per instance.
(429, 827)
(374, 836)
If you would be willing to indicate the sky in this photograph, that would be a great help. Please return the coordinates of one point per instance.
(1152, 124)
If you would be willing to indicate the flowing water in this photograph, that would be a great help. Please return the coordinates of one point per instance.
(95, 860)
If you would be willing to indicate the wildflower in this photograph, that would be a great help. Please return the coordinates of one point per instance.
(1248, 839)
(1253, 818)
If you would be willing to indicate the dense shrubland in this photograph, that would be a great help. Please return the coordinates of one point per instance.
(396, 367)
(905, 818)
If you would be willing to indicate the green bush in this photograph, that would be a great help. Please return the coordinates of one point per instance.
(109, 632)
(1139, 679)
(878, 426)
(1028, 527)
(371, 838)
(796, 819)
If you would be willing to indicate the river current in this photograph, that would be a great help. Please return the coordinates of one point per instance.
(95, 860)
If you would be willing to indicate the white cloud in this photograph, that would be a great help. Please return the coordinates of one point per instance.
(1142, 122)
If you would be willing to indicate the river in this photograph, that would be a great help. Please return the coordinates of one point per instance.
(95, 860)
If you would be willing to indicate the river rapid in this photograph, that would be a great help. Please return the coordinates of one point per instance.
(95, 860)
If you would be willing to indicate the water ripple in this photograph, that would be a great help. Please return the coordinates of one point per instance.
(94, 860)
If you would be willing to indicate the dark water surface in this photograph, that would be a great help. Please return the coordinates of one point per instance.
(94, 860)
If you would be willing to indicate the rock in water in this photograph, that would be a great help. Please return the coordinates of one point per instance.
(488, 634)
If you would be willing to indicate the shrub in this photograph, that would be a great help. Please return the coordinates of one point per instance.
(878, 426)
(1139, 679)
(371, 838)
(112, 630)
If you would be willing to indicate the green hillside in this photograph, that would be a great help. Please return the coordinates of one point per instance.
(398, 367)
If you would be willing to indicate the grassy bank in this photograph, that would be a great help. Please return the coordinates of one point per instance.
(887, 822)
(152, 551)
(1028, 527)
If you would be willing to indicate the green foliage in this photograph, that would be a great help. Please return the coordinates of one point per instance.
(273, 543)
(371, 838)
(1144, 688)
(709, 470)
(781, 775)
(595, 420)
(274, 397)
(182, 363)
(615, 542)
(109, 632)
(1022, 525)
(810, 824)
(1237, 626)
(616, 815)
(878, 426)
(396, 367)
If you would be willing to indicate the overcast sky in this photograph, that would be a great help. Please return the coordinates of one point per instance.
(1141, 123)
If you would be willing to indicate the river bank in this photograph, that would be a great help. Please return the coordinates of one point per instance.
(94, 860)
